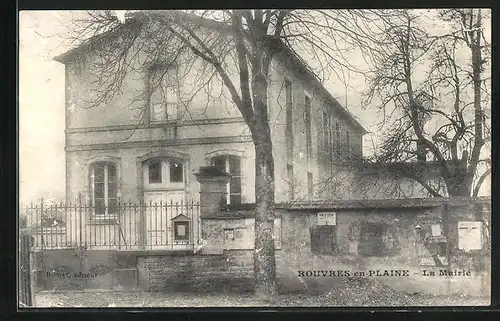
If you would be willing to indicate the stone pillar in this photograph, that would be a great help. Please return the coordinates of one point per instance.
(212, 183)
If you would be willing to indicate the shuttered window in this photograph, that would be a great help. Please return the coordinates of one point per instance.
(323, 239)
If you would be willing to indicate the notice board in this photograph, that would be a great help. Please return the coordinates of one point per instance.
(469, 235)
(327, 218)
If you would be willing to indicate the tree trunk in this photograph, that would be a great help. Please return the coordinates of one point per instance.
(264, 253)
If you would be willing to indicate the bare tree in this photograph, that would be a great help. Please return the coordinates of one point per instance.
(222, 44)
(434, 114)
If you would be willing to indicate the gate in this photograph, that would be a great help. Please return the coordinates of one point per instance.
(25, 293)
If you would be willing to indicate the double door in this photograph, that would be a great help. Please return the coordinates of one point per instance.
(161, 207)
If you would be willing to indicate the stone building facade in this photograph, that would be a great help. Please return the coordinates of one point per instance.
(131, 148)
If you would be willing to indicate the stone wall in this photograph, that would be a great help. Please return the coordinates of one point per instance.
(186, 272)
(224, 262)
(406, 253)
(79, 269)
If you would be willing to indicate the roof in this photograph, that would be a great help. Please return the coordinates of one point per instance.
(71, 54)
(295, 57)
(428, 167)
(386, 203)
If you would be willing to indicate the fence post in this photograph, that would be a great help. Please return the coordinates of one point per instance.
(41, 223)
(26, 283)
(142, 225)
(80, 219)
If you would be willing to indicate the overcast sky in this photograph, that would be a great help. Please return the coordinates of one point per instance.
(41, 104)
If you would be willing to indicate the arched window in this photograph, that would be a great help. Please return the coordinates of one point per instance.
(232, 165)
(104, 188)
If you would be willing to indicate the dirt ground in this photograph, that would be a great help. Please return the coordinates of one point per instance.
(180, 300)
(351, 293)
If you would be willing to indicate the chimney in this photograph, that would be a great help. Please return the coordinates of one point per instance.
(212, 183)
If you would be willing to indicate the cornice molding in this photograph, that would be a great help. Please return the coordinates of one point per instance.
(161, 143)
(196, 122)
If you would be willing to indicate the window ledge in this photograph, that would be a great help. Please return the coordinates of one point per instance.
(181, 187)
(182, 242)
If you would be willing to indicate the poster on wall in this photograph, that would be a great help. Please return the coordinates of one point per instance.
(431, 242)
(327, 218)
(469, 235)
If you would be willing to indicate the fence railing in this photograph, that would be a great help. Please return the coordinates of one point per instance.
(117, 226)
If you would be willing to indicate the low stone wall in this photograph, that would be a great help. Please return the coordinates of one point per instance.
(424, 275)
(71, 269)
(174, 271)
(416, 262)
(186, 272)
(225, 263)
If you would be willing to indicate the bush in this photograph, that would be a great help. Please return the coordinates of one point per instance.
(52, 221)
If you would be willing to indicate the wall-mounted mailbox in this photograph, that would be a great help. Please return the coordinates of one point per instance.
(470, 235)
(181, 228)
(327, 218)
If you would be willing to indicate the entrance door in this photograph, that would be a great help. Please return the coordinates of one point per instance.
(161, 208)
(164, 195)
(156, 218)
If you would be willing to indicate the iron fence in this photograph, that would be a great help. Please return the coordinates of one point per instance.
(119, 226)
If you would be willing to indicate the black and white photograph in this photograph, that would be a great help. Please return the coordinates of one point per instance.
(266, 158)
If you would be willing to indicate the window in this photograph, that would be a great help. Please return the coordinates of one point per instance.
(155, 174)
(164, 173)
(330, 137)
(323, 239)
(289, 120)
(326, 132)
(348, 143)
(176, 172)
(164, 96)
(310, 189)
(337, 135)
(289, 173)
(308, 126)
(376, 239)
(232, 165)
(104, 188)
